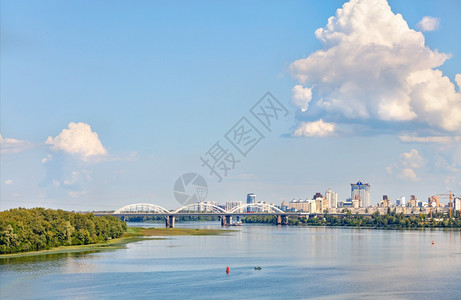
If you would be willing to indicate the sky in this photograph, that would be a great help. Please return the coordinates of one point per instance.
(108, 103)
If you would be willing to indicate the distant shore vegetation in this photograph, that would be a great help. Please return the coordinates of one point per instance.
(177, 218)
(24, 230)
(390, 220)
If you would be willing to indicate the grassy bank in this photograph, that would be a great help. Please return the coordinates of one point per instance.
(133, 234)
(173, 231)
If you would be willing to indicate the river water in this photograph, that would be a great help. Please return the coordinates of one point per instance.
(296, 262)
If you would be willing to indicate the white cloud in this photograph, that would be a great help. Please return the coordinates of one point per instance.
(301, 97)
(428, 24)
(448, 157)
(78, 176)
(47, 159)
(78, 194)
(8, 181)
(9, 145)
(458, 80)
(78, 139)
(312, 129)
(374, 67)
(405, 169)
(427, 139)
(411, 159)
(74, 177)
(408, 173)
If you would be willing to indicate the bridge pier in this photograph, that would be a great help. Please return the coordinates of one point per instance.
(278, 220)
(284, 220)
(169, 222)
(226, 220)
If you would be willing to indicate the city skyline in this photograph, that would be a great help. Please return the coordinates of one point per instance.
(99, 110)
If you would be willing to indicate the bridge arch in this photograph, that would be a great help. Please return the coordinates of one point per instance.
(264, 207)
(206, 205)
(141, 208)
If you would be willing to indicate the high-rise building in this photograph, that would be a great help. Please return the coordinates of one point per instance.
(308, 206)
(233, 205)
(251, 199)
(457, 204)
(206, 205)
(386, 202)
(361, 192)
(433, 201)
(284, 206)
(320, 202)
(332, 198)
(400, 202)
(413, 201)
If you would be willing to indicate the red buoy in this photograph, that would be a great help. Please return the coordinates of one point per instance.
(227, 270)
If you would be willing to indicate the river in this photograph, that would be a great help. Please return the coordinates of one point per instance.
(296, 263)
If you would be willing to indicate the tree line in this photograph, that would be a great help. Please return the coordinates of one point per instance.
(376, 220)
(162, 218)
(35, 229)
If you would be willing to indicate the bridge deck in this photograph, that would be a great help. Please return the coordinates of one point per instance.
(205, 214)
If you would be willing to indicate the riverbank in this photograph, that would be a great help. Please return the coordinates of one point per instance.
(376, 220)
(133, 234)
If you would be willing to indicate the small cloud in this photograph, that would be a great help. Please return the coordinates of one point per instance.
(411, 159)
(428, 24)
(405, 169)
(74, 177)
(427, 139)
(77, 176)
(301, 97)
(9, 145)
(409, 174)
(78, 139)
(47, 159)
(312, 129)
(77, 194)
(390, 169)
(8, 181)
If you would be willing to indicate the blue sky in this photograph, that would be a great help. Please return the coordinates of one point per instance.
(149, 87)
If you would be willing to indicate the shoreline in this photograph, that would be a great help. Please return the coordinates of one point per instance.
(133, 234)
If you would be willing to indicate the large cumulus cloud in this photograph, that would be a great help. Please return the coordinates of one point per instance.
(374, 68)
(78, 139)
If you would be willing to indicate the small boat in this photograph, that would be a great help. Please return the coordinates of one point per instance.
(258, 268)
(236, 224)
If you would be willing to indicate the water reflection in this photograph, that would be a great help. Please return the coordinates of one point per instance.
(297, 262)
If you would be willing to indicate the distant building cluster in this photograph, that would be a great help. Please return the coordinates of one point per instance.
(318, 204)
(360, 198)
(359, 201)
